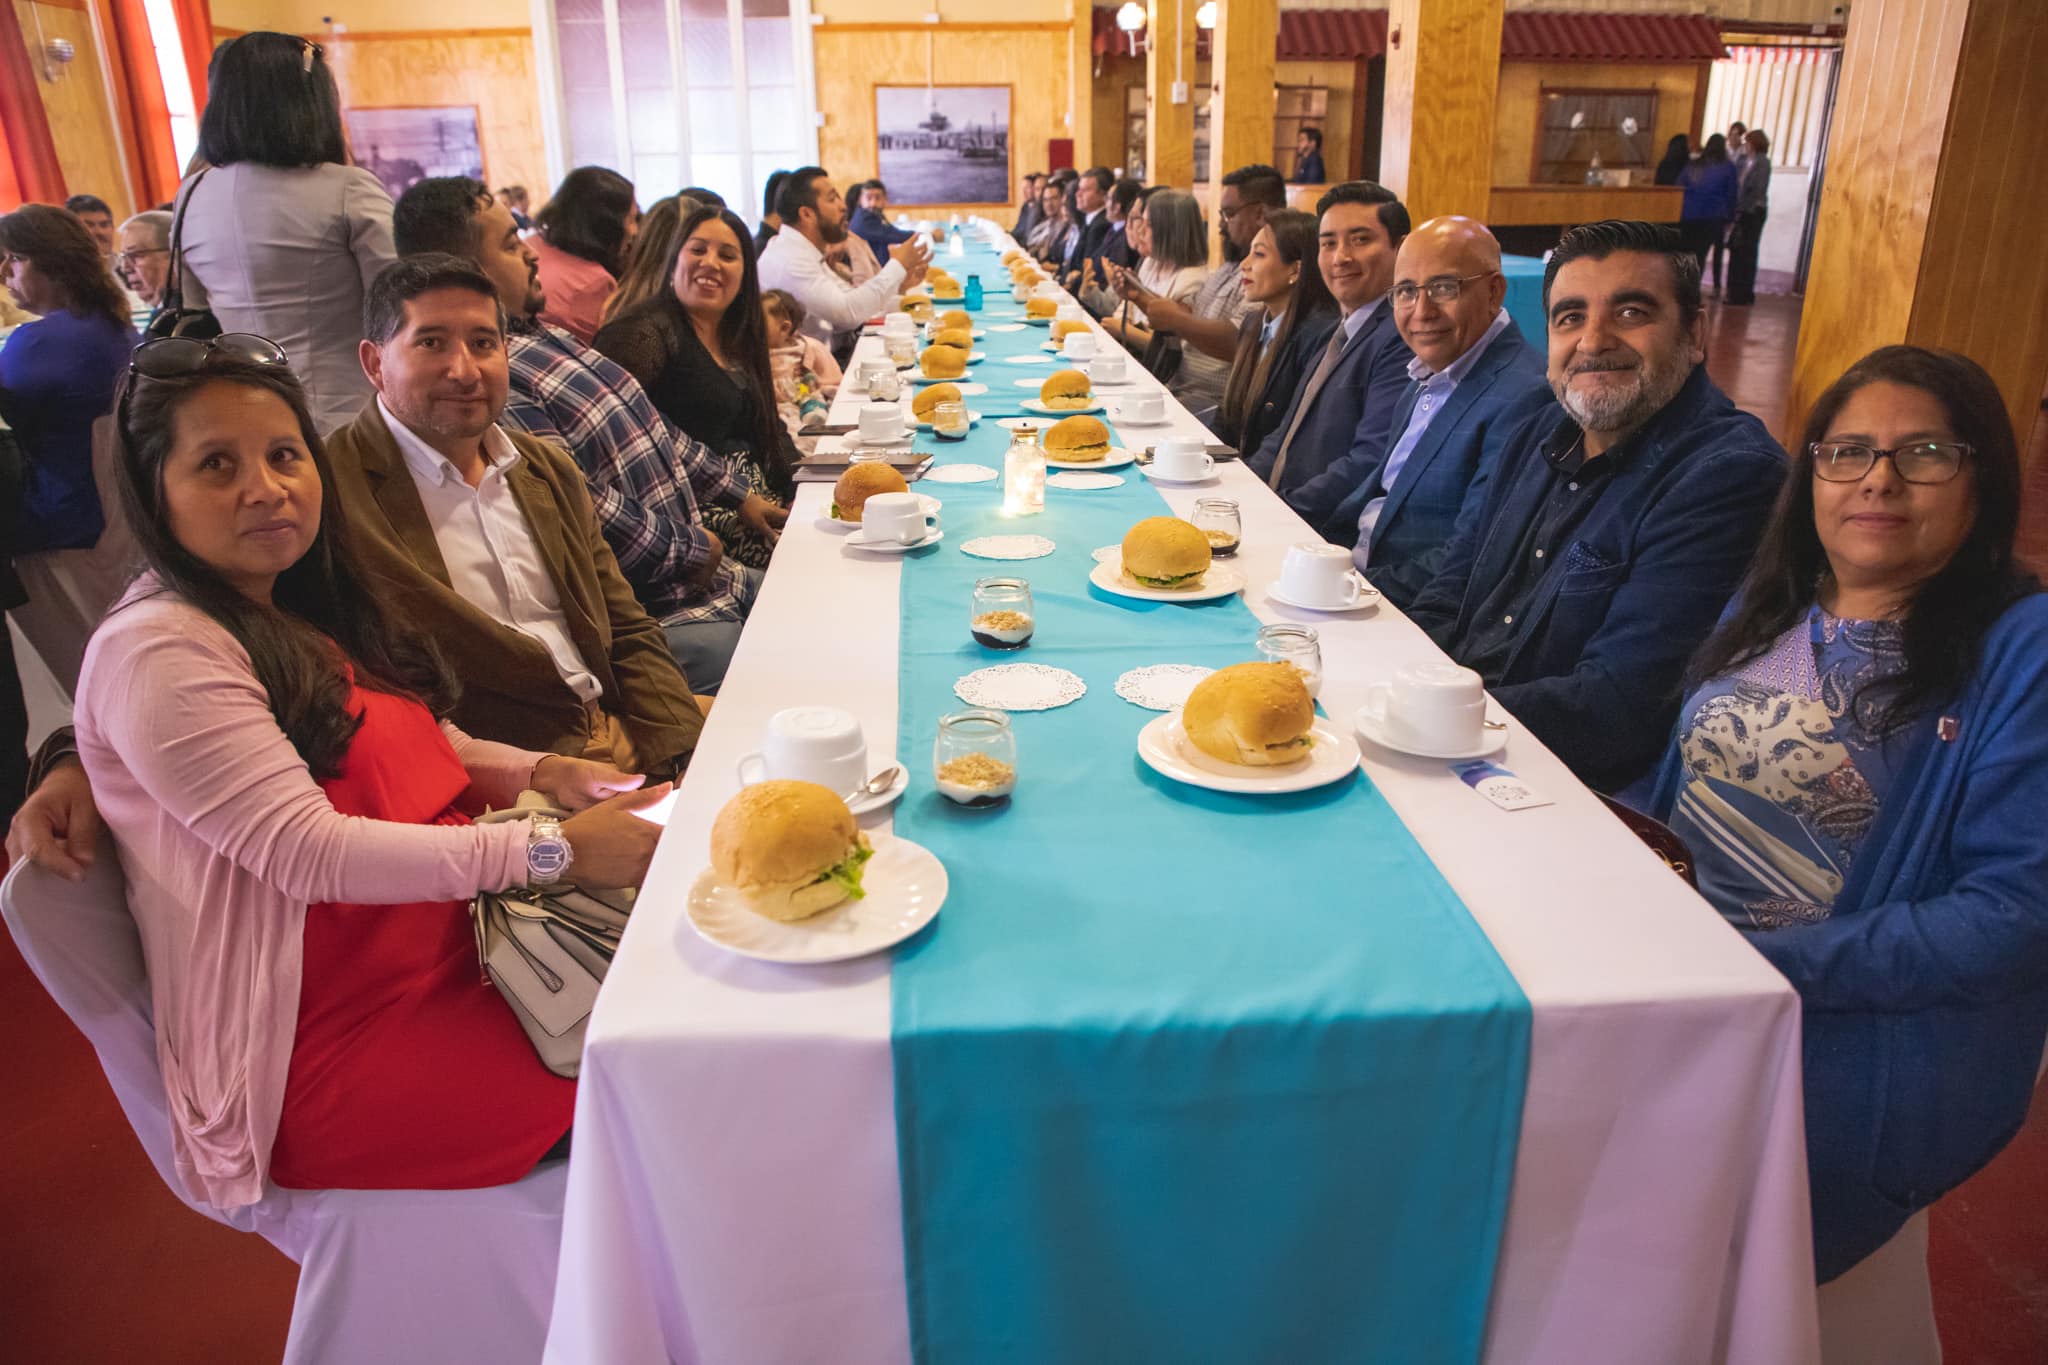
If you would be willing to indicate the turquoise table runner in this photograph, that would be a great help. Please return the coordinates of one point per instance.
(1180, 1076)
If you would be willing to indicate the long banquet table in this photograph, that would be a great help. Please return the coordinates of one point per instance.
(734, 1188)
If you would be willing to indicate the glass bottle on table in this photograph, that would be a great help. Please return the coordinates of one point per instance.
(973, 293)
(1024, 473)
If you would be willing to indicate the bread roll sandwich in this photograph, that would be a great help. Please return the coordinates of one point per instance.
(1166, 553)
(930, 396)
(1256, 714)
(1040, 308)
(1066, 327)
(942, 362)
(919, 306)
(862, 482)
(952, 318)
(791, 849)
(959, 338)
(1067, 389)
(1014, 255)
(1078, 440)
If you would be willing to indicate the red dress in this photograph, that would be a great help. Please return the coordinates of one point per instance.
(408, 1070)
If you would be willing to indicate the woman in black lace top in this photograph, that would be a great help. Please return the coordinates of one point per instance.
(700, 349)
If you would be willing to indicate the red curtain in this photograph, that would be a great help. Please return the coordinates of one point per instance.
(195, 35)
(139, 107)
(28, 157)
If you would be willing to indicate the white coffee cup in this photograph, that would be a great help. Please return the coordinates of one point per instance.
(1071, 312)
(820, 744)
(1078, 345)
(881, 421)
(1107, 368)
(1149, 406)
(1319, 575)
(872, 370)
(1438, 706)
(1182, 457)
(898, 325)
(904, 518)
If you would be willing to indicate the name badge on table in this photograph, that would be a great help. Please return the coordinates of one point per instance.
(1498, 785)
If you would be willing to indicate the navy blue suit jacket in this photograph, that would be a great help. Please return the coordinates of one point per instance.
(1601, 643)
(1308, 168)
(1447, 471)
(878, 232)
(1346, 421)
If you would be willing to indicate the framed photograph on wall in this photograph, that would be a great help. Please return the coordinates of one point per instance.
(402, 147)
(943, 144)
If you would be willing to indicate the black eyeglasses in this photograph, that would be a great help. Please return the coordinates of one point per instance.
(1920, 462)
(1442, 289)
(176, 357)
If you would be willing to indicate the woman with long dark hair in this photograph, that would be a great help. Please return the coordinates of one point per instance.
(1861, 773)
(582, 235)
(1708, 201)
(282, 236)
(1280, 340)
(270, 750)
(645, 272)
(700, 349)
(57, 377)
(1677, 155)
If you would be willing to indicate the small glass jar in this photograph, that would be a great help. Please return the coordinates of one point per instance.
(1024, 474)
(1297, 645)
(902, 348)
(1001, 617)
(974, 759)
(1217, 518)
(950, 421)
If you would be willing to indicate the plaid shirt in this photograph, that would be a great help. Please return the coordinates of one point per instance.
(645, 476)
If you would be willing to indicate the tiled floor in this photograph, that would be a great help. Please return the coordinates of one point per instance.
(100, 1264)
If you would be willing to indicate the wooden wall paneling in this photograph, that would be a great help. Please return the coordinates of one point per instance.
(1241, 106)
(81, 119)
(851, 61)
(1080, 94)
(1347, 92)
(493, 72)
(1442, 81)
(1169, 127)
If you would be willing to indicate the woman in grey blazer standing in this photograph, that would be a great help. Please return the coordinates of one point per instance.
(282, 236)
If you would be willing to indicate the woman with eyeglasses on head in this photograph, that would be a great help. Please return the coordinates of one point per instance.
(282, 235)
(269, 748)
(1861, 773)
(57, 376)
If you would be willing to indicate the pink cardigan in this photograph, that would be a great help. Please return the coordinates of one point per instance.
(225, 839)
(576, 289)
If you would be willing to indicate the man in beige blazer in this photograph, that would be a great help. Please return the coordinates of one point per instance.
(487, 538)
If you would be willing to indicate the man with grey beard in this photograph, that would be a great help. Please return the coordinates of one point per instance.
(1620, 519)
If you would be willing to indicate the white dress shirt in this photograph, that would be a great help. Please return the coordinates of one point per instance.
(489, 549)
(1436, 391)
(832, 307)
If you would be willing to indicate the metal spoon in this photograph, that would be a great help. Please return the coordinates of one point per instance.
(875, 785)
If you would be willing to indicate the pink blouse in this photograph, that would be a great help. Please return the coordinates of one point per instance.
(576, 289)
(225, 838)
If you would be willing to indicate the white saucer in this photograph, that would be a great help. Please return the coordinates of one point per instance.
(1209, 477)
(891, 547)
(932, 507)
(1164, 420)
(1368, 596)
(884, 798)
(1035, 405)
(1164, 747)
(905, 884)
(1126, 382)
(1116, 459)
(1221, 581)
(1372, 725)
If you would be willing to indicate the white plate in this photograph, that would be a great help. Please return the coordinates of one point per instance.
(1209, 477)
(1221, 581)
(1164, 747)
(1372, 725)
(1117, 417)
(1116, 459)
(960, 473)
(1368, 596)
(905, 884)
(940, 379)
(891, 547)
(972, 418)
(1034, 405)
(886, 797)
(1081, 480)
(1038, 322)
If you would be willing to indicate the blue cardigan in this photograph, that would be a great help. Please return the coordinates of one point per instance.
(1925, 993)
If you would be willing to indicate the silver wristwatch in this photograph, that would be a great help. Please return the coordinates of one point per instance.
(548, 853)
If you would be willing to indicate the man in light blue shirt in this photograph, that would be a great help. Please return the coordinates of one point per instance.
(1471, 377)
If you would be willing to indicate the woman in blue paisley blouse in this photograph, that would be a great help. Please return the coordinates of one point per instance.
(1861, 773)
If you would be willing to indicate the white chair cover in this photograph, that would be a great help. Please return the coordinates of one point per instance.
(392, 1276)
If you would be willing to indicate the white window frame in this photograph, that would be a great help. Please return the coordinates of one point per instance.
(554, 120)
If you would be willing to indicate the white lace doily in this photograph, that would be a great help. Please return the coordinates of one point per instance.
(1029, 383)
(1077, 479)
(1106, 553)
(1008, 547)
(959, 473)
(1160, 687)
(1020, 687)
(1012, 423)
(1027, 360)
(1008, 326)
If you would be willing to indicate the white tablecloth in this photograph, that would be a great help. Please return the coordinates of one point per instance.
(733, 1194)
